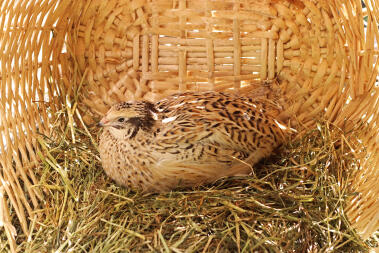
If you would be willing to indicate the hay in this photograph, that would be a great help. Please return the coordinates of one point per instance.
(294, 202)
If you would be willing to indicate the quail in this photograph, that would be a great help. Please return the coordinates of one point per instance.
(187, 139)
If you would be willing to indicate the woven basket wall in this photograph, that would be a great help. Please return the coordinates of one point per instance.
(325, 62)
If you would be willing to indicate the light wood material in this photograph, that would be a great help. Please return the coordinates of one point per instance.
(325, 62)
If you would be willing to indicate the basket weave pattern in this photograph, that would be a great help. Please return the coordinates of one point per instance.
(132, 50)
(201, 45)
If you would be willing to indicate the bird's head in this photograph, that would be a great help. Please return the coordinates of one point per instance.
(125, 119)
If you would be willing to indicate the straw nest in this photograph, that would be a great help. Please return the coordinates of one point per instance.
(294, 201)
(64, 62)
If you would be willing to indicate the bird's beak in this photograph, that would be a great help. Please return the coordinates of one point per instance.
(103, 122)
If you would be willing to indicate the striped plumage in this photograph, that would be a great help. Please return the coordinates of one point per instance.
(187, 139)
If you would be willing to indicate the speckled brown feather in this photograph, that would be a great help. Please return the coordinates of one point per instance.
(187, 139)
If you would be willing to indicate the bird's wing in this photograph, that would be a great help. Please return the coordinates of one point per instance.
(225, 120)
(172, 173)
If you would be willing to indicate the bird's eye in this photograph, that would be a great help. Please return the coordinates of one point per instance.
(121, 120)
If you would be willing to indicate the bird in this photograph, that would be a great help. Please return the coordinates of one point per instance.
(187, 139)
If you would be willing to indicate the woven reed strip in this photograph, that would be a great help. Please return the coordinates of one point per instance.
(182, 51)
(363, 210)
(236, 44)
(210, 52)
(26, 71)
(310, 58)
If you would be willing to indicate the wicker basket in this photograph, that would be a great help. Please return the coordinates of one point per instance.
(319, 51)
